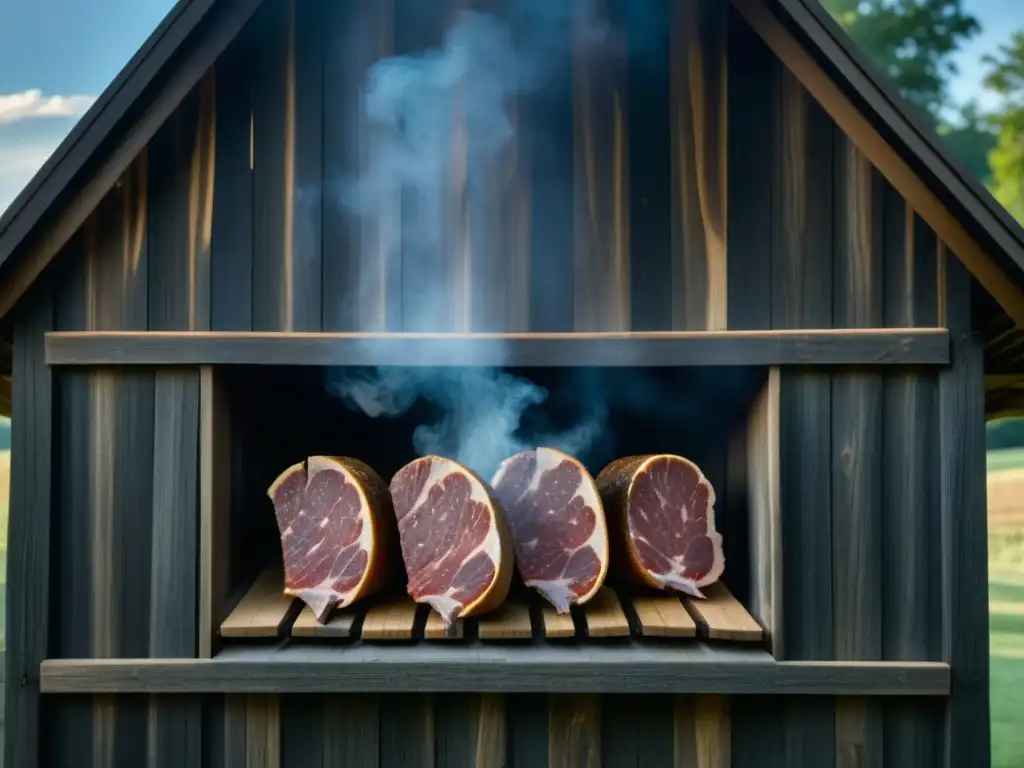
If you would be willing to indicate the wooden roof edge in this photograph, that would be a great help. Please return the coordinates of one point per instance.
(981, 231)
(109, 136)
(98, 122)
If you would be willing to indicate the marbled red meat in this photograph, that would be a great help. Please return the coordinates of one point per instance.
(337, 531)
(661, 522)
(557, 523)
(454, 538)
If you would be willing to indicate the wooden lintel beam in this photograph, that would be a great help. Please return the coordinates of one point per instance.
(879, 346)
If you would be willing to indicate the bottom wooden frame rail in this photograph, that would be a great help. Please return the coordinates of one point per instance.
(620, 669)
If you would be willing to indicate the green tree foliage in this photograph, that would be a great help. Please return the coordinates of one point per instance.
(911, 41)
(1006, 77)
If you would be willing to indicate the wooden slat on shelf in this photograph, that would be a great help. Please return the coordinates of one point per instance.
(556, 625)
(435, 629)
(264, 609)
(605, 617)
(339, 624)
(663, 616)
(391, 620)
(722, 617)
(509, 622)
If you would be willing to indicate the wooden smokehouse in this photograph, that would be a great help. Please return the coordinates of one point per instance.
(724, 196)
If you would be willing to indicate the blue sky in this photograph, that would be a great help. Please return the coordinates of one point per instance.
(58, 55)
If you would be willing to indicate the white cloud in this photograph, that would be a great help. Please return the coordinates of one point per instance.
(32, 104)
(18, 164)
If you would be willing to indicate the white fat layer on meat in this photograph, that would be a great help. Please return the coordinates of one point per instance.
(444, 604)
(556, 592)
(675, 579)
(324, 591)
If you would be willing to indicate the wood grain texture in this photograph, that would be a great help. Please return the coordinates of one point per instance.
(470, 731)
(600, 176)
(556, 625)
(604, 615)
(214, 507)
(339, 624)
(391, 620)
(574, 731)
(882, 154)
(911, 621)
(287, 182)
(174, 735)
(262, 731)
(448, 667)
(362, 259)
(28, 533)
(637, 730)
(765, 516)
(350, 735)
(435, 628)
(265, 608)
(699, 160)
(231, 229)
(663, 617)
(802, 280)
(870, 347)
(509, 622)
(752, 73)
(408, 725)
(712, 732)
(857, 449)
(722, 617)
(962, 517)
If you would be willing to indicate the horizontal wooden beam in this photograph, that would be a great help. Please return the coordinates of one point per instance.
(897, 346)
(633, 667)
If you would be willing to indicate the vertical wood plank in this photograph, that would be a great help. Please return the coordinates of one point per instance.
(762, 457)
(303, 734)
(214, 508)
(600, 175)
(470, 730)
(262, 731)
(648, 94)
(175, 722)
(527, 718)
(857, 452)
(172, 257)
(574, 731)
(120, 436)
(761, 735)
(362, 277)
(236, 737)
(351, 738)
(713, 733)
(962, 517)
(407, 731)
(71, 615)
(287, 151)
(202, 170)
(912, 613)
(801, 297)
(753, 72)
(637, 730)
(28, 533)
(699, 152)
(231, 233)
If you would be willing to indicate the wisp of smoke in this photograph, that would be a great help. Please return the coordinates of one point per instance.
(412, 106)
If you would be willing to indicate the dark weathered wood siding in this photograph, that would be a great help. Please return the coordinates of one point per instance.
(713, 192)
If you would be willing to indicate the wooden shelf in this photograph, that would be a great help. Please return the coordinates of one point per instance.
(889, 346)
(540, 667)
(265, 613)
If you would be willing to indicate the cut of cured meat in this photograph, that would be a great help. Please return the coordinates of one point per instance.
(557, 523)
(454, 537)
(661, 518)
(338, 536)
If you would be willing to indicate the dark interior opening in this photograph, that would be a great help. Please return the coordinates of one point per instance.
(280, 416)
